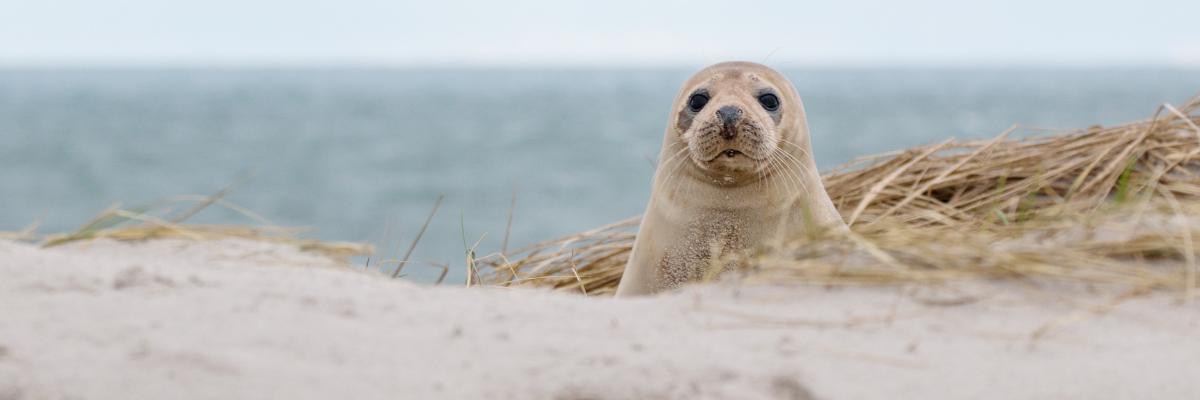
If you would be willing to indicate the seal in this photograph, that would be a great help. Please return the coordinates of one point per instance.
(736, 168)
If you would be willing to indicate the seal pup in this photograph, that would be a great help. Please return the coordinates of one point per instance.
(736, 167)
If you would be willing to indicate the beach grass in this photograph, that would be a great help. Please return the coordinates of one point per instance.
(1095, 205)
(168, 219)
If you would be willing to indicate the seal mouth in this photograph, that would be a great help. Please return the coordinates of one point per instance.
(731, 155)
(727, 153)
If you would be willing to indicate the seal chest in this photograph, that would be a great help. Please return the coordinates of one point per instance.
(690, 258)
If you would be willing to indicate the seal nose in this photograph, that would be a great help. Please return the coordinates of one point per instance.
(729, 116)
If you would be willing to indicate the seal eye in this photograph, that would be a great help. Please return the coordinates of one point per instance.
(697, 101)
(769, 101)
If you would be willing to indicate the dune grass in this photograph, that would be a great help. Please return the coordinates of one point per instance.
(1098, 205)
(169, 219)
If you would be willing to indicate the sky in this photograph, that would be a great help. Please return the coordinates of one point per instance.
(434, 33)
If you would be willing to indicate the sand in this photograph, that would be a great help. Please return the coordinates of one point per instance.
(242, 319)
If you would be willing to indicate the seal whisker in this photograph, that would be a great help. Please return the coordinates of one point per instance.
(787, 177)
(801, 149)
(799, 163)
(668, 160)
(786, 174)
(667, 180)
(803, 153)
(672, 157)
(798, 147)
(798, 176)
(765, 176)
(667, 183)
(764, 182)
(788, 160)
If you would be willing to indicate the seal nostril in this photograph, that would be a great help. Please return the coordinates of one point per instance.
(729, 114)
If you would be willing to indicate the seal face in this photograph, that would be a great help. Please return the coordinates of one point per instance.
(735, 168)
(730, 125)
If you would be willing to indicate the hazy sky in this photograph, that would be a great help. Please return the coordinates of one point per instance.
(583, 33)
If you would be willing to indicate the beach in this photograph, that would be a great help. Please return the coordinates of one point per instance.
(231, 318)
(620, 200)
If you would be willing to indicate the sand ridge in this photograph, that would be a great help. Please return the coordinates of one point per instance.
(243, 319)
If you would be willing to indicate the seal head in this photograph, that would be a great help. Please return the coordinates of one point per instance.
(730, 121)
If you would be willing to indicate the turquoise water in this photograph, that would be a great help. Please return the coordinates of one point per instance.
(351, 152)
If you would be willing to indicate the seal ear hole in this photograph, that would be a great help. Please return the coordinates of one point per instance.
(769, 101)
(697, 101)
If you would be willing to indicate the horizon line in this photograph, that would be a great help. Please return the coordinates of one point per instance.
(417, 66)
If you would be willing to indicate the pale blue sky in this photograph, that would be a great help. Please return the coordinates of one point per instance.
(599, 33)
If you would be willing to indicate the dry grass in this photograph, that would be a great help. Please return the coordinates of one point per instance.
(1100, 204)
(164, 220)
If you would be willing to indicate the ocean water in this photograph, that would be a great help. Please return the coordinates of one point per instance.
(360, 155)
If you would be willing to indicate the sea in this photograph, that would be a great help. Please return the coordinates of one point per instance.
(362, 154)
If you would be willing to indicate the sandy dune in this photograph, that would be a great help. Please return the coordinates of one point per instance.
(240, 319)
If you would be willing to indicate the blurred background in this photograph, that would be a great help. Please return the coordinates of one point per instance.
(351, 117)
